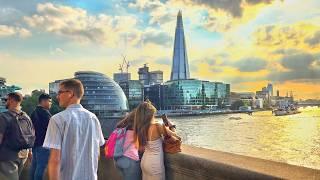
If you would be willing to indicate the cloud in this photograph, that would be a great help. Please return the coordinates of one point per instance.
(231, 6)
(285, 51)
(156, 37)
(6, 31)
(164, 61)
(193, 67)
(314, 40)
(258, 1)
(298, 61)
(234, 7)
(57, 51)
(75, 23)
(302, 66)
(294, 36)
(250, 64)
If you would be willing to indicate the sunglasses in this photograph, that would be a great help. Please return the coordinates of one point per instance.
(61, 92)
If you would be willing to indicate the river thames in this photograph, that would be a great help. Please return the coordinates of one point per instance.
(293, 139)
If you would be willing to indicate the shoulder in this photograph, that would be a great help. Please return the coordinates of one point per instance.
(59, 116)
(44, 111)
(156, 126)
(89, 114)
(24, 114)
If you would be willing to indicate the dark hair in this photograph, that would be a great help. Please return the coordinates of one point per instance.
(44, 96)
(74, 85)
(16, 96)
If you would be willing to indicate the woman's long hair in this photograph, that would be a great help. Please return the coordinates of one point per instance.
(144, 114)
(128, 121)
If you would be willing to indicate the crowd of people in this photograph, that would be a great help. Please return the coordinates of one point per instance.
(68, 143)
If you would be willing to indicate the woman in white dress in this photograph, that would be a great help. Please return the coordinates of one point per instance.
(148, 136)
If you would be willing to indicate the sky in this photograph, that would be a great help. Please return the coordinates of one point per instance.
(247, 43)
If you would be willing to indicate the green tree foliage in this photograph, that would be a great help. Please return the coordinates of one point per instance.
(30, 102)
(235, 105)
(55, 108)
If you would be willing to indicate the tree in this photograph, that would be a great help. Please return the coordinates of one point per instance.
(235, 105)
(55, 108)
(30, 102)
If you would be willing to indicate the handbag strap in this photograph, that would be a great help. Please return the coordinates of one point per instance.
(165, 131)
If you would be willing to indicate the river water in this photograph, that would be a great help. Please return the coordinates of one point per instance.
(293, 139)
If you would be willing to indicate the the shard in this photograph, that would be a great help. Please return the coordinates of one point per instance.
(180, 66)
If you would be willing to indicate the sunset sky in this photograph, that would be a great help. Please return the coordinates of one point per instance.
(247, 43)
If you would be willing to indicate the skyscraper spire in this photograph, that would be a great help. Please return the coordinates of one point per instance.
(180, 66)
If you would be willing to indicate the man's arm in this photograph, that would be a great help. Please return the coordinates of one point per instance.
(54, 164)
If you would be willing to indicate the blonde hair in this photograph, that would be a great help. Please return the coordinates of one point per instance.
(143, 117)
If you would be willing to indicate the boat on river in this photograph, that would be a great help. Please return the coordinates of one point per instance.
(286, 111)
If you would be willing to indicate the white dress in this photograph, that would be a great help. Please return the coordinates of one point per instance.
(152, 164)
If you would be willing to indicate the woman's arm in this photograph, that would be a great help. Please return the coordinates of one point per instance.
(165, 131)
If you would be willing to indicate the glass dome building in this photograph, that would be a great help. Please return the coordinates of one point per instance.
(104, 97)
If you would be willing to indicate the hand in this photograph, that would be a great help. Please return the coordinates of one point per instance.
(29, 160)
(165, 119)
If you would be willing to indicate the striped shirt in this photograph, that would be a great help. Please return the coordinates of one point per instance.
(76, 132)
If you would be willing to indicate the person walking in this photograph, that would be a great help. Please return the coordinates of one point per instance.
(74, 137)
(13, 153)
(40, 118)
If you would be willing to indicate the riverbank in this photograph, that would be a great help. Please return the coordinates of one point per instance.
(204, 113)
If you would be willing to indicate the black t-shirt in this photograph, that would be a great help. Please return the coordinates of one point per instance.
(40, 119)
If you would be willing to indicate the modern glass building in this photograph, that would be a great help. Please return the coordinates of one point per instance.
(193, 94)
(180, 66)
(154, 93)
(4, 90)
(149, 78)
(133, 90)
(104, 97)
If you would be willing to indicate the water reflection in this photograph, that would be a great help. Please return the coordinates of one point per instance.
(293, 139)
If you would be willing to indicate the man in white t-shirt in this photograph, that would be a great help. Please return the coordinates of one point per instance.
(74, 137)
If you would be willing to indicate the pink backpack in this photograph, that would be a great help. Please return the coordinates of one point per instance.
(114, 146)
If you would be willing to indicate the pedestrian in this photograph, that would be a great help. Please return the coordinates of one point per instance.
(40, 118)
(148, 137)
(129, 163)
(74, 137)
(16, 136)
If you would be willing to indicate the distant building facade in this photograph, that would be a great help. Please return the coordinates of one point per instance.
(121, 77)
(133, 89)
(54, 87)
(4, 91)
(147, 77)
(193, 94)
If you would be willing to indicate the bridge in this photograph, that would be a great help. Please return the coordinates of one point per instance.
(306, 104)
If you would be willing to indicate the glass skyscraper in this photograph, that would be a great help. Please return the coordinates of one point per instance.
(180, 66)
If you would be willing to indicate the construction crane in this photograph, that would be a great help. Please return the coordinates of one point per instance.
(125, 64)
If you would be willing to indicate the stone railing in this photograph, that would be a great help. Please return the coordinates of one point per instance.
(198, 163)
